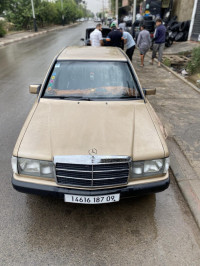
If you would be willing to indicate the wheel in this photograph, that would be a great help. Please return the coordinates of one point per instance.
(184, 26)
(173, 35)
(175, 26)
(168, 43)
(179, 37)
(169, 24)
(185, 37)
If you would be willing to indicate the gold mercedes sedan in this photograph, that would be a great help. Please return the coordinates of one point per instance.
(91, 136)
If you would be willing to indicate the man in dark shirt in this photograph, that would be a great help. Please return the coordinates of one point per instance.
(159, 41)
(115, 37)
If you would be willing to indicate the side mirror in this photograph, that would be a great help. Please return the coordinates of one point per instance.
(149, 91)
(82, 39)
(34, 89)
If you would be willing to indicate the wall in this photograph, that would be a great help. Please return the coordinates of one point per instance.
(196, 27)
(183, 9)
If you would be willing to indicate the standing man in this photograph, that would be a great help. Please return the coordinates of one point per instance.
(129, 44)
(143, 43)
(115, 37)
(96, 38)
(159, 41)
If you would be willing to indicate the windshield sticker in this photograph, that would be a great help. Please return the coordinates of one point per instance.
(57, 65)
(51, 81)
(50, 85)
(53, 77)
(54, 74)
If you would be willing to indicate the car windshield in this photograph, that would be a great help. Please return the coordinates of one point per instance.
(91, 80)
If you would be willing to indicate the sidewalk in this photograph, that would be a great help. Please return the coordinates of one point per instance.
(178, 106)
(180, 47)
(15, 37)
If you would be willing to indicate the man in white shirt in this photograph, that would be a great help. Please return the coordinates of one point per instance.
(96, 38)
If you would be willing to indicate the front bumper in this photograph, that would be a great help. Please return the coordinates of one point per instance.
(125, 192)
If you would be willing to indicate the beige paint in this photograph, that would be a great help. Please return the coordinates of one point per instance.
(183, 9)
(33, 89)
(61, 127)
(72, 128)
(92, 53)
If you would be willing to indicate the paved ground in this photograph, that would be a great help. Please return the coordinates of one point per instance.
(151, 230)
(177, 105)
(18, 36)
(179, 47)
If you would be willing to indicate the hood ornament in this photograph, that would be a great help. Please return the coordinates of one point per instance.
(92, 152)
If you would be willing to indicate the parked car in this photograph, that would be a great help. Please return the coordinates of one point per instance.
(96, 20)
(105, 32)
(91, 136)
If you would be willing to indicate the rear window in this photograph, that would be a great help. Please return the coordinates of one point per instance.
(95, 80)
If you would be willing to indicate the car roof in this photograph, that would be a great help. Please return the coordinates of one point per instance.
(92, 53)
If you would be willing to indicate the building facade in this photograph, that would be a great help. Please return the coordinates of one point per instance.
(183, 9)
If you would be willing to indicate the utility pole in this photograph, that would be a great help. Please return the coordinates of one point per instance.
(134, 10)
(34, 19)
(116, 9)
(63, 17)
(103, 9)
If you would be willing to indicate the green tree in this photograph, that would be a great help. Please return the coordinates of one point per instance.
(46, 13)
(3, 6)
(20, 13)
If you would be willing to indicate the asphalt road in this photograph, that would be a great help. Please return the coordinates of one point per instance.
(151, 230)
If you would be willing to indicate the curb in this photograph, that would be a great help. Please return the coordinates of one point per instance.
(187, 179)
(178, 76)
(181, 78)
(2, 44)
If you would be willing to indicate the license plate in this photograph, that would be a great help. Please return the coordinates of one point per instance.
(92, 199)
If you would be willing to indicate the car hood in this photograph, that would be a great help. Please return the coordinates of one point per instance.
(62, 127)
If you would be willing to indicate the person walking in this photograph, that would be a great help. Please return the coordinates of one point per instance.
(159, 41)
(115, 37)
(129, 44)
(143, 43)
(96, 38)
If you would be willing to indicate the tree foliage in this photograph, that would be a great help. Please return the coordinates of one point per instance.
(194, 64)
(19, 12)
(3, 6)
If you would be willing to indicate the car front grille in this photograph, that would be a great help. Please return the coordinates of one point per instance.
(92, 174)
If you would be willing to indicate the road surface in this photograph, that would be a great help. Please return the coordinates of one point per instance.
(151, 230)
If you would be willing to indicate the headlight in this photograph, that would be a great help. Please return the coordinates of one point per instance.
(31, 167)
(149, 168)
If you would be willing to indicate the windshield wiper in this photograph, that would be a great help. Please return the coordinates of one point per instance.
(71, 97)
